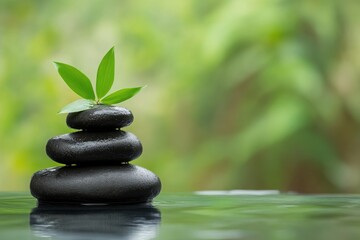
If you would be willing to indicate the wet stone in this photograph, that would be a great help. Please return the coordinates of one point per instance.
(97, 159)
(100, 117)
(108, 147)
(95, 184)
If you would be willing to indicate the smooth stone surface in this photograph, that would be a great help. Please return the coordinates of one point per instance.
(95, 184)
(110, 147)
(100, 117)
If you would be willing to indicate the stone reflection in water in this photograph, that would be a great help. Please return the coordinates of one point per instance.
(95, 222)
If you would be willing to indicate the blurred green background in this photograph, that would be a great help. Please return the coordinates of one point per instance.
(251, 94)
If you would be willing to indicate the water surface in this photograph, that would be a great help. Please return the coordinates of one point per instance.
(202, 215)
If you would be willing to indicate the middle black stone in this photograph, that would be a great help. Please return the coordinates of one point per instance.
(109, 147)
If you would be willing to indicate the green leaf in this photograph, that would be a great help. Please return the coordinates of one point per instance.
(121, 95)
(76, 80)
(105, 74)
(78, 105)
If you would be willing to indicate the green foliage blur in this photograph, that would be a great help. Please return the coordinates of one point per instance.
(250, 94)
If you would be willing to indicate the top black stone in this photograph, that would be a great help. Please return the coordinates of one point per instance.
(100, 117)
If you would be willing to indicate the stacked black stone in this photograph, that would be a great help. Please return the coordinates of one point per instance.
(97, 162)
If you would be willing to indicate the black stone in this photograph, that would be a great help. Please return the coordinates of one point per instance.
(110, 147)
(100, 117)
(125, 184)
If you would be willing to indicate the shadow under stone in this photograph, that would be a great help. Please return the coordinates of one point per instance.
(140, 221)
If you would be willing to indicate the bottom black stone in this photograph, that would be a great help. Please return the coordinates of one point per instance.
(124, 184)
